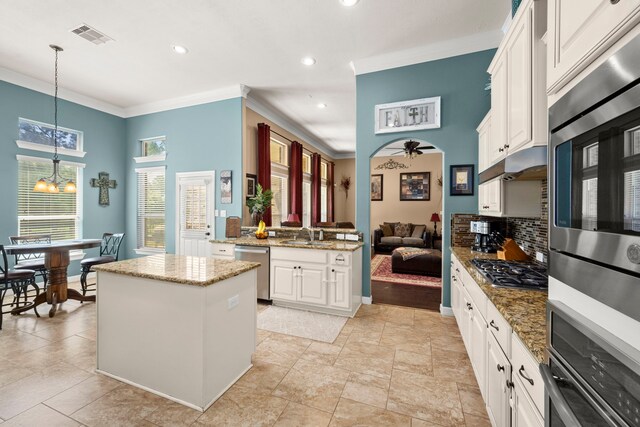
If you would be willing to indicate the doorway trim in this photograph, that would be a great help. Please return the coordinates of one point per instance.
(211, 174)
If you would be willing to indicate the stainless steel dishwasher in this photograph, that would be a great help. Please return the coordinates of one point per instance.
(261, 255)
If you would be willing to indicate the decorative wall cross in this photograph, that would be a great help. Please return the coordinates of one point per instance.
(104, 184)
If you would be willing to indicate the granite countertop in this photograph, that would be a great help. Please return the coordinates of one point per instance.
(525, 310)
(186, 270)
(327, 245)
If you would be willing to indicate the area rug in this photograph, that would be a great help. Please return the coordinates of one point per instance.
(299, 323)
(381, 272)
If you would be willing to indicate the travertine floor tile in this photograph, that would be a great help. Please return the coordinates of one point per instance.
(323, 353)
(400, 315)
(12, 371)
(263, 377)
(474, 421)
(430, 399)
(262, 335)
(452, 364)
(80, 395)
(366, 359)
(41, 415)
(419, 363)
(281, 350)
(472, 401)
(452, 342)
(315, 385)
(416, 422)
(367, 337)
(369, 380)
(367, 394)
(172, 414)
(350, 413)
(243, 407)
(296, 415)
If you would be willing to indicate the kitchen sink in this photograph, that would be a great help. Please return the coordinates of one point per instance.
(306, 243)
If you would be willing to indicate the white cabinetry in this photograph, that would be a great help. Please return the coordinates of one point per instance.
(325, 281)
(499, 110)
(484, 141)
(518, 55)
(478, 340)
(498, 377)
(581, 30)
(523, 411)
(510, 198)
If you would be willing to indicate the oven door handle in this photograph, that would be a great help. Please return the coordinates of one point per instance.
(563, 408)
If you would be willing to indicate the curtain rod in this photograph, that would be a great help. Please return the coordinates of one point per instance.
(303, 147)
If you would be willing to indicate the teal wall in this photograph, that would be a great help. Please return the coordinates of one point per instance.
(460, 81)
(199, 138)
(103, 142)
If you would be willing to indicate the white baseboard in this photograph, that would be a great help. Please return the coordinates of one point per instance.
(367, 300)
(446, 311)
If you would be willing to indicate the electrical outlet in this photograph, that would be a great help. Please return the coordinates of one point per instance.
(272, 234)
(223, 213)
(352, 237)
(340, 236)
(233, 302)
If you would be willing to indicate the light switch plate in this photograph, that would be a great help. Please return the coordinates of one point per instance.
(216, 212)
(233, 302)
(272, 234)
(340, 236)
(540, 257)
(223, 213)
(352, 237)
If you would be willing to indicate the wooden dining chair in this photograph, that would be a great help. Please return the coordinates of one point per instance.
(15, 280)
(31, 261)
(109, 251)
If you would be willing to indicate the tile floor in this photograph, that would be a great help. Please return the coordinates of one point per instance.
(390, 366)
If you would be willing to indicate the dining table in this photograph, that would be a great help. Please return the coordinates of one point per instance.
(56, 260)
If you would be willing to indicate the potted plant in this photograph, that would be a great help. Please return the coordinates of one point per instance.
(259, 203)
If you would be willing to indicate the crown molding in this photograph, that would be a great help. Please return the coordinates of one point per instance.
(507, 22)
(47, 88)
(230, 92)
(289, 126)
(431, 52)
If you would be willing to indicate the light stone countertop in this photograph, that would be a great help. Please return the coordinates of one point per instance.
(186, 270)
(327, 245)
(525, 310)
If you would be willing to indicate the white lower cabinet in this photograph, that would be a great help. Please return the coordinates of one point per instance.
(312, 283)
(284, 280)
(340, 287)
(497, 390)
(523, 411)
(478, 339)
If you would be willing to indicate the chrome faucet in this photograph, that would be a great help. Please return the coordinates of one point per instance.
(309, 232)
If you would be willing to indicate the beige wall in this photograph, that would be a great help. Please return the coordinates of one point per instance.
(345, 204)
(250, 149)
(391, 209)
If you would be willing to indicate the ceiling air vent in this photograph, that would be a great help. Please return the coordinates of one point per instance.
(91, 34)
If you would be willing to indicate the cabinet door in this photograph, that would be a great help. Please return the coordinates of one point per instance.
(455, 297)
(493, 196)
(478, 353)
(581, 29)
(484, 141)
(284, 278)
(498, 112)
(465, 316)
(519, 84)
(523, 412)
(312, 286)
(497, 391)
(340, 287)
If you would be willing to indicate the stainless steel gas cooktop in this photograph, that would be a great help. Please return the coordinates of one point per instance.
(512, 274)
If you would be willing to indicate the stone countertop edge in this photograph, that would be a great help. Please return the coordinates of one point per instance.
(334, 245)
(525, 310)
(185, 270)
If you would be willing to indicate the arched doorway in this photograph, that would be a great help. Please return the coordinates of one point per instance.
(406, 197)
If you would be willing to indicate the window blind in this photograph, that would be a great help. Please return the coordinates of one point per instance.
(151, 208)
(44, 213)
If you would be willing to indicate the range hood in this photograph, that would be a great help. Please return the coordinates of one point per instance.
(528, 164)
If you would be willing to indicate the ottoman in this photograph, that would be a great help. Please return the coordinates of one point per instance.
(425, 262)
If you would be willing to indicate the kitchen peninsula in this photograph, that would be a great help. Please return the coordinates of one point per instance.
(181, 327)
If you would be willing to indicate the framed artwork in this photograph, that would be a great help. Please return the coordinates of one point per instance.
(415, 186)
(405, 116)
(252, 180)
(376, 187)
(461, 180)
(225, 186)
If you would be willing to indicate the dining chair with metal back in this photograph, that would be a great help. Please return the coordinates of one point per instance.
(14, 280)
(31, 261)
(109, 251)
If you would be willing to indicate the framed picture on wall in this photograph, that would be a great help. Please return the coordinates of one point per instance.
(225, 187)
(376, 188)
(415, 186)
(461, 180)
(252, 180)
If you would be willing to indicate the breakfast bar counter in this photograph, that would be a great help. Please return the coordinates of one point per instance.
(177, 326)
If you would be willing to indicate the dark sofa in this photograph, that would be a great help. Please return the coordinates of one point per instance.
(389, 243)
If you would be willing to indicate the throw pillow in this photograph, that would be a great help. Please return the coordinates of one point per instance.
(403, 230)
(386, 230)
(418, 230)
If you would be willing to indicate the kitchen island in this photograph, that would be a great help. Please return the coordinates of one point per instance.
(180, 327)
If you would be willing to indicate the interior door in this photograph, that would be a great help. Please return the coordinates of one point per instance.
(195, 199)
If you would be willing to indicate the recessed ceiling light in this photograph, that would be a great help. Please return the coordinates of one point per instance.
(308, 60)
(322, 105)
(180, 49)
(349, 3)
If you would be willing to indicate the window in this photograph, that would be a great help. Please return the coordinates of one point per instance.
(279, 153)
(44, 213)
(152, 150)
(306, 163)
(280, 204)
(38, 136)
(323, 192)
(306, 204)
(151, 210)
(323, 170)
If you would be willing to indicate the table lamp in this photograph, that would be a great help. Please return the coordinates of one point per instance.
(435, 218)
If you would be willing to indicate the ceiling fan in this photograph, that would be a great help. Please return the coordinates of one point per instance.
(411, 149)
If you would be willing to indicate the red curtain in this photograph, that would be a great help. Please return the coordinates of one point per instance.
(330, 193)
(295, 179)
(264, 164)
(315, 189)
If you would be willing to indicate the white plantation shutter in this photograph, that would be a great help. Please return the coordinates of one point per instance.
(44, 213)
(194, 205)
(151, 208)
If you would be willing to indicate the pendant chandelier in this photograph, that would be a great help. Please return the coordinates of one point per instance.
(52, 183)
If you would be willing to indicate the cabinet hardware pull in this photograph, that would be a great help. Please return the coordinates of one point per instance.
(615, 1)
(509, 384)
(458, 270)
(501, 149)
(469, 306)
(520, 371)
(500, 368)
(455, 279)
(333, 271)
(493, 325)
(207, 234)
(506, 145)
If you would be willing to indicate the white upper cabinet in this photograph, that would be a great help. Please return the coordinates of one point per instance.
(498, 111)
(484, 141)
(580, 31)
(518, 54)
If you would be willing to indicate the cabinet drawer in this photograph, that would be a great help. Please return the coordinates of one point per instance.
(224, 249)
(318, 256)
(526, 368)
(477, 295)
(499, 328)
(340, 258)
